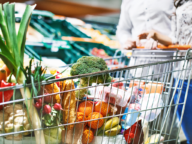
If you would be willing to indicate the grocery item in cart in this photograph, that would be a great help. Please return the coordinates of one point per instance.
(53, 136)
(114, 96)
(86, 107)
(150, 87)
(53, 88)
(15, 120)
(89, 64)
(154, 139)
(69, 104)
(73, 135)
(134, 135)
(110, 127)
(6, 95)
(152, 104)
(103, 108)
(132, 107)
(88, 136)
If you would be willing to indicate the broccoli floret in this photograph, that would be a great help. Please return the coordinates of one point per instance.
(89, 64)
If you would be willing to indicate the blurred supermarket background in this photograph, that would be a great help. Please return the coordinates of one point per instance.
(72, 28)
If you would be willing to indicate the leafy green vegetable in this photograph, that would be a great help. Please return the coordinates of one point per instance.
(89, 64)
(52, 119)
(12, 46)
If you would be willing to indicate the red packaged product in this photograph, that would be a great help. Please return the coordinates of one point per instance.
(134, 135)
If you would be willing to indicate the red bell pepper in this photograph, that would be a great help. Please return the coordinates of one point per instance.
(7, 94)
(134, 135)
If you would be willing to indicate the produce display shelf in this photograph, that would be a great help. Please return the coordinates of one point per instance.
(66, 55)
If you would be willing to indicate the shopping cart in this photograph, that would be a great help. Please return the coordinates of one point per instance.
(152, 102)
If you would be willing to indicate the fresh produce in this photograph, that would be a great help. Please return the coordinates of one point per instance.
(39, 100)
(6, 69)
(47, 99)
(88, 136)
(103, 108)
(81, 117)
(51, 116)
(57, 77)
(96, 123)
(57, 107)
(86, 107)
(99, 53)
(53, 88)
(47, 109)
(3, 75)
(110, 123)
(98, 37)
(14, 121)
(53, 135)
(12, 47)
(7, 94)
(1, 64)
(38, 105)
(113, 131)
(69, 104)
(89, 64)
(102, 54)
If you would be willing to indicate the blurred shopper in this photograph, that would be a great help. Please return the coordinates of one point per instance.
(141, 15)
(182, 35)
(136, 17)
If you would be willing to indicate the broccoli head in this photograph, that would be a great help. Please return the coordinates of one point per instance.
(89, 64)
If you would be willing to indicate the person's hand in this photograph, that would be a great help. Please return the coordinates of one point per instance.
(129, 44)
(147, 35)
(150, 37)
(151, 44)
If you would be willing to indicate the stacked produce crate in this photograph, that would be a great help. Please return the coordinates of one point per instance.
(53, 36)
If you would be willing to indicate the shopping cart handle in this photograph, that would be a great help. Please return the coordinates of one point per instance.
(179, 47)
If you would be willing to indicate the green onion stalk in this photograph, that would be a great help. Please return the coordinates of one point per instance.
(12, 47)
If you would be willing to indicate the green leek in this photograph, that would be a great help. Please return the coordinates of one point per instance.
(12, 48)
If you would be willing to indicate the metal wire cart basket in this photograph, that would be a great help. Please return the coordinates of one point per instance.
(134, 107)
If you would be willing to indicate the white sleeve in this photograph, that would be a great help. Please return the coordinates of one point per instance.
(124, 27)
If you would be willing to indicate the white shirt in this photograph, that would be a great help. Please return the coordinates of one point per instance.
(182, 34)
(142, 15)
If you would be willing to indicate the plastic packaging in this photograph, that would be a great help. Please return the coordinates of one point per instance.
(114, 96)
(132, 107)
(152, 104)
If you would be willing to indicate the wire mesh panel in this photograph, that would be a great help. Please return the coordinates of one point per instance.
(106, 107)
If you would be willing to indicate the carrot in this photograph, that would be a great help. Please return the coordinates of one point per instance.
(3, 75)
(6, 69)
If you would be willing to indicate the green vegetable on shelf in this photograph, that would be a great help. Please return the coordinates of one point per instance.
(89, 64)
